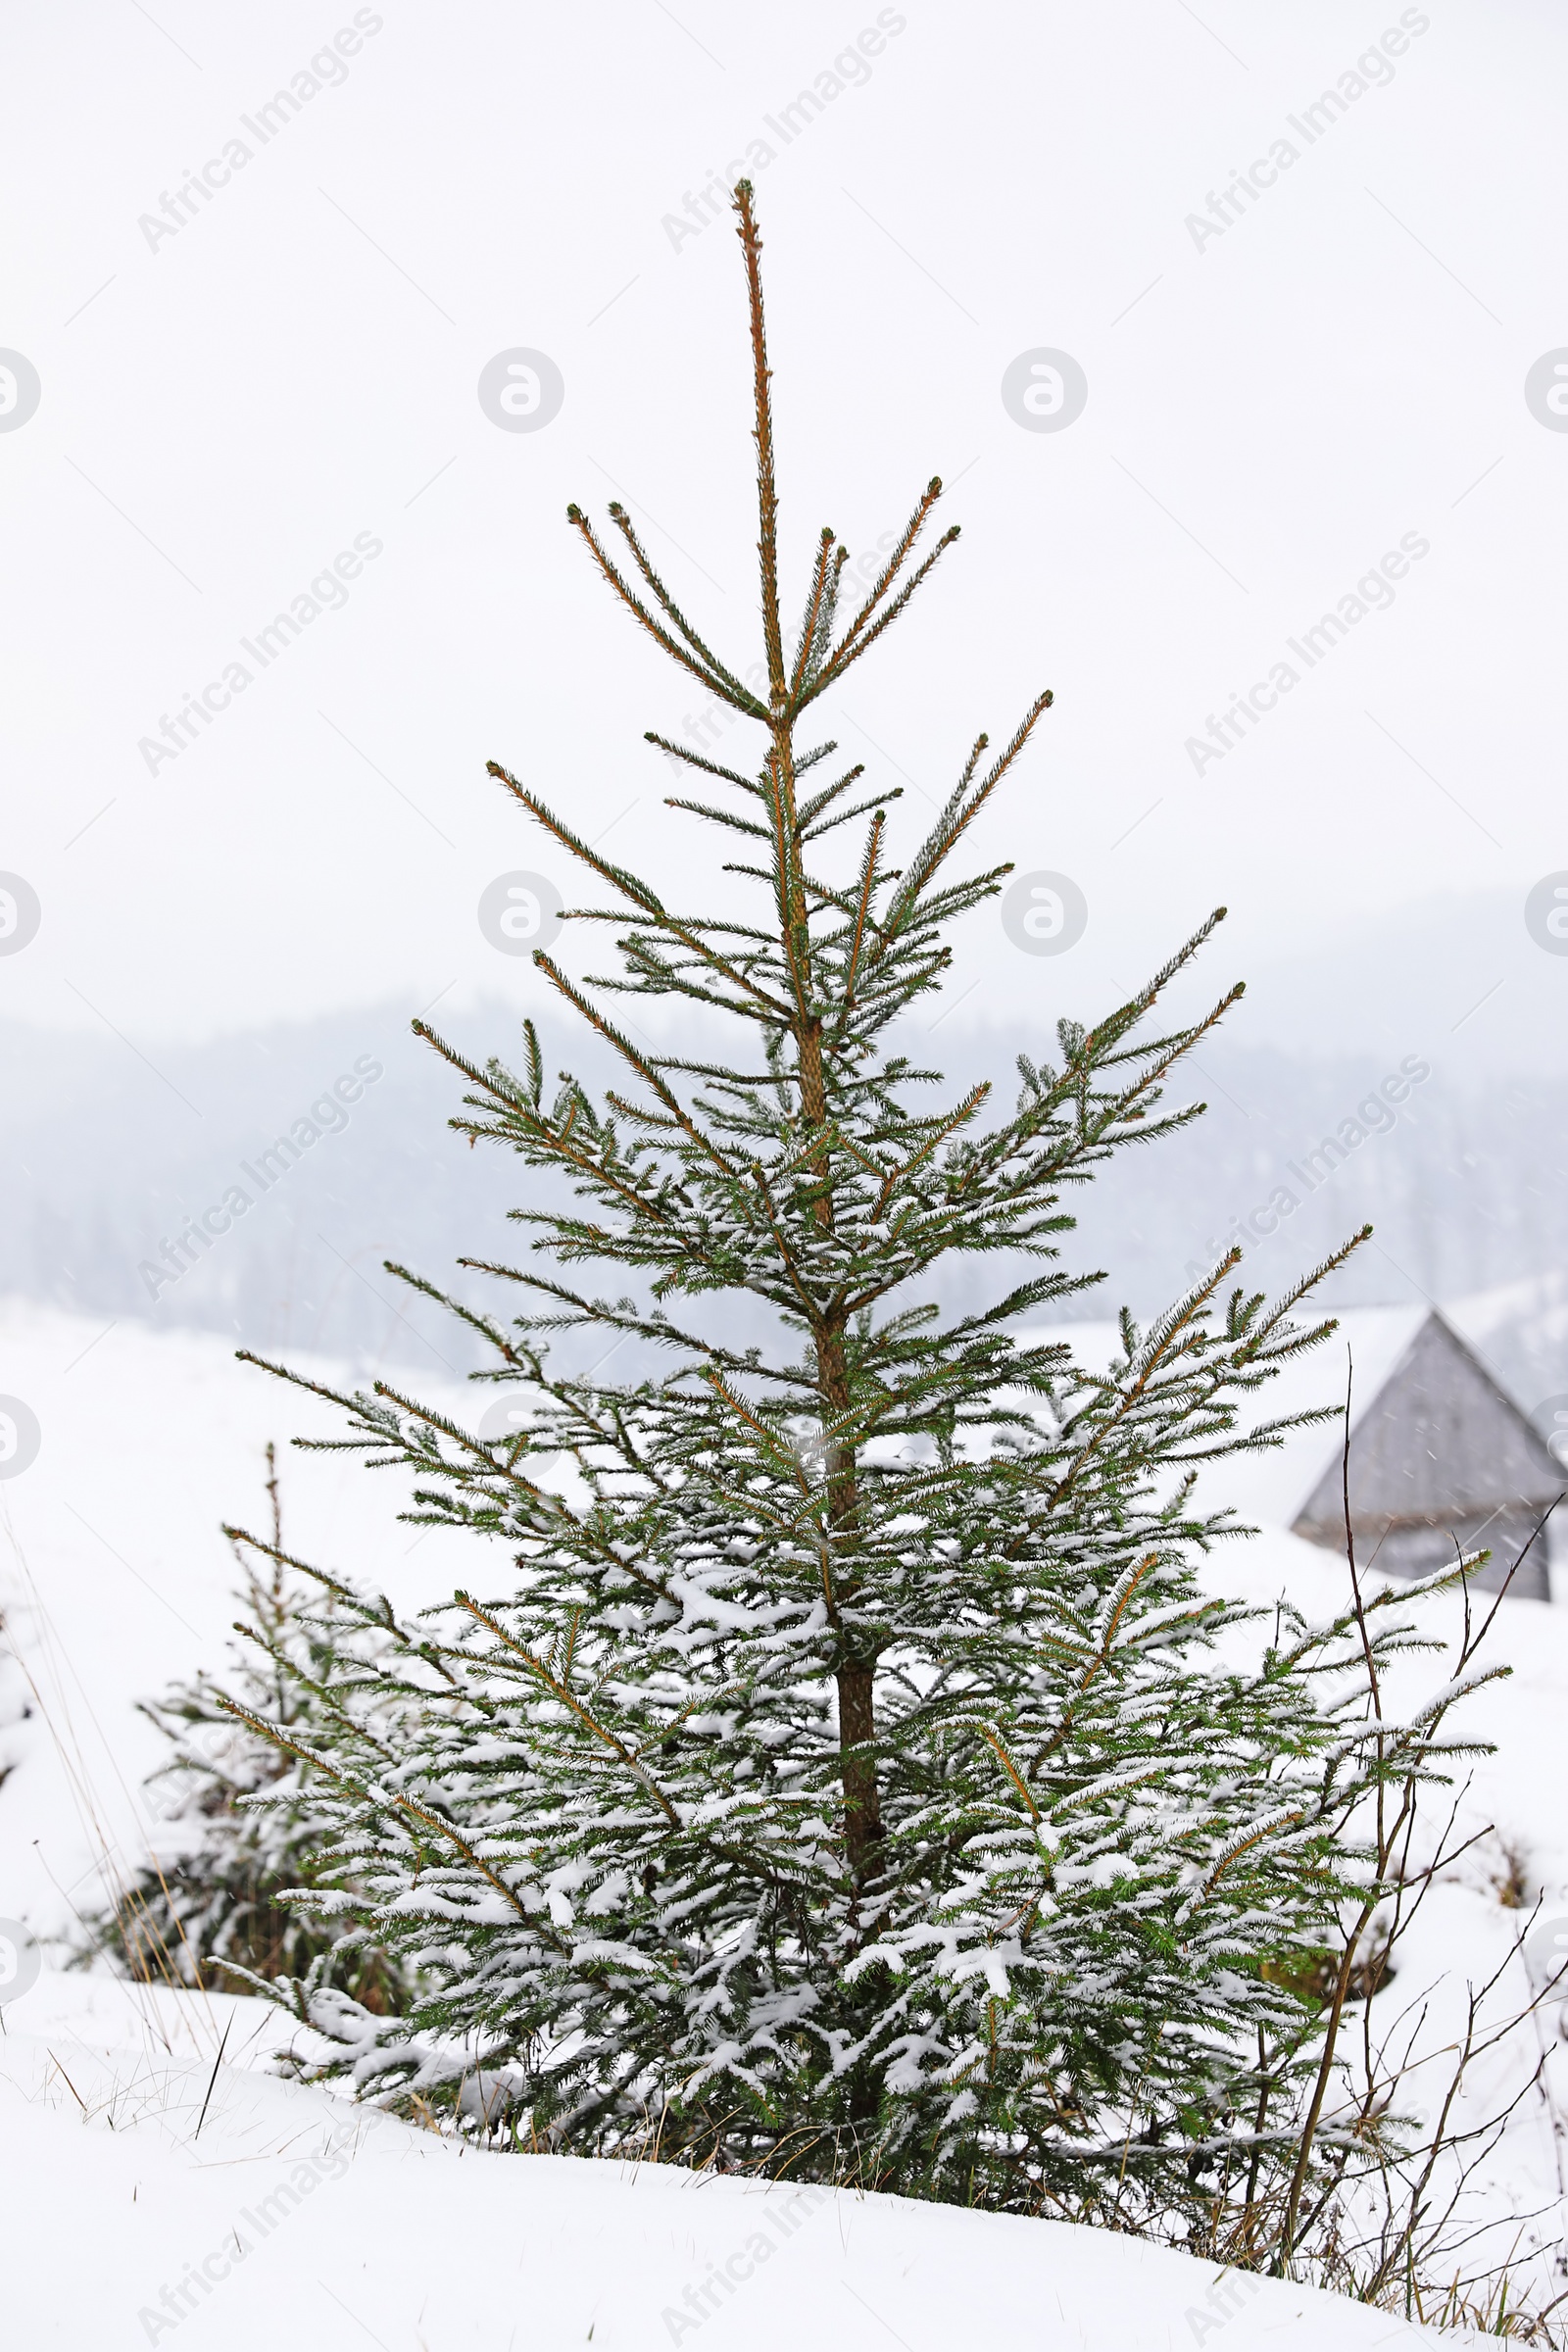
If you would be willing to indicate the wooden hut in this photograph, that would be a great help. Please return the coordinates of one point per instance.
(1440, 1457)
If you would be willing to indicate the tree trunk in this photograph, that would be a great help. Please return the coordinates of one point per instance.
(857, 1680)
(862, 1803)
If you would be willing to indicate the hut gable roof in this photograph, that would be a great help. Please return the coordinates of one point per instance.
(1435, 1439)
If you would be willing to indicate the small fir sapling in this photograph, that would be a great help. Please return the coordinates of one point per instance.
(235, 1821)
(834, 1763)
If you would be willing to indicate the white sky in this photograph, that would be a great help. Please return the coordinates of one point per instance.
(1266, 416)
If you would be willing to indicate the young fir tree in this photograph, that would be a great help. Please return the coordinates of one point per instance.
(842, 1763)
(238, 1822)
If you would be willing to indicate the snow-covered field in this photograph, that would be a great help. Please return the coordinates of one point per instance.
(153, 2193)
(283, 2217)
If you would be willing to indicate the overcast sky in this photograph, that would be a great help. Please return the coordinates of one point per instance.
(1285, 387)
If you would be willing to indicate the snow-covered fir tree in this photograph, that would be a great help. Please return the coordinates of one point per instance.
(834, 1760)
(234, 1816)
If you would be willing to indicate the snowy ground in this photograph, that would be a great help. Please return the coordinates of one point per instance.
(283, 2216)
(126, 2225)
